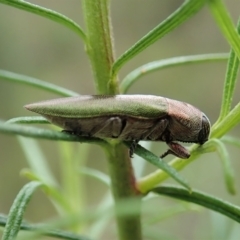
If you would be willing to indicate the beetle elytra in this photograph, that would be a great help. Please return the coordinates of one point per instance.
(129, 118)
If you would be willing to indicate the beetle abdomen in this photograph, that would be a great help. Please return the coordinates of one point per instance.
(124, 128)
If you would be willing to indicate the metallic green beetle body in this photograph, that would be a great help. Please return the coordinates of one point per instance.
(129, 118)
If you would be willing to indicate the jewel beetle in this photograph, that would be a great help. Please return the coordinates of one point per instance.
(129, 118)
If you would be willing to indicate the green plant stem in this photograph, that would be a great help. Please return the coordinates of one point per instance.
(99, 49)
(123, 186)
(99, 44)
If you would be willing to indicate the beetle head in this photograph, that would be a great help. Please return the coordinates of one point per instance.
(204, 132)
(195, 130)
(186, 123)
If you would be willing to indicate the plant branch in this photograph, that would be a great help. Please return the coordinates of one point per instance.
(99, 44)
(124, 186)
(100, 51)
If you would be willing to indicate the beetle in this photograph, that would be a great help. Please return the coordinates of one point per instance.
(129, 118)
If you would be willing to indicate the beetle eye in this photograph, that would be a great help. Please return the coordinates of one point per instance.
(204, 133)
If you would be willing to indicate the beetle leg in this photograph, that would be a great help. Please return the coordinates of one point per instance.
(112, 127)
(156, 131)
(132, 148)
(177, 150)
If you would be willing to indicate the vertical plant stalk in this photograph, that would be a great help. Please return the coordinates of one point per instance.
(99, 44)
(124, 187)
(100, 51)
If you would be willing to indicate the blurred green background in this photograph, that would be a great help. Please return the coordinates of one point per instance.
(40, 48)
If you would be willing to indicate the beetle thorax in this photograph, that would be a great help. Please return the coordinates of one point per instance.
(185, 121)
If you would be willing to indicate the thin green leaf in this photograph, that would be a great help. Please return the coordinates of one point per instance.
(227, 167)
(73, 189)
(97, 228)
(221, 226)
(55, 194)
(50, 135)
(224, 21)
(96, 174)
(133, 76)
(40, 169)
(15, 77)
(185, 11)
(229, 122)
(17, 210)
(230, 82)
(153, 233)
(125, 207)
(153, 159)
(37, 160)
(28, 120)
(44, 230)
(47, 13)
(169, 212)
(139, 163)
(84, 217)
(40, 133)
(148, 182)
(231, 140)
(202, 199)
